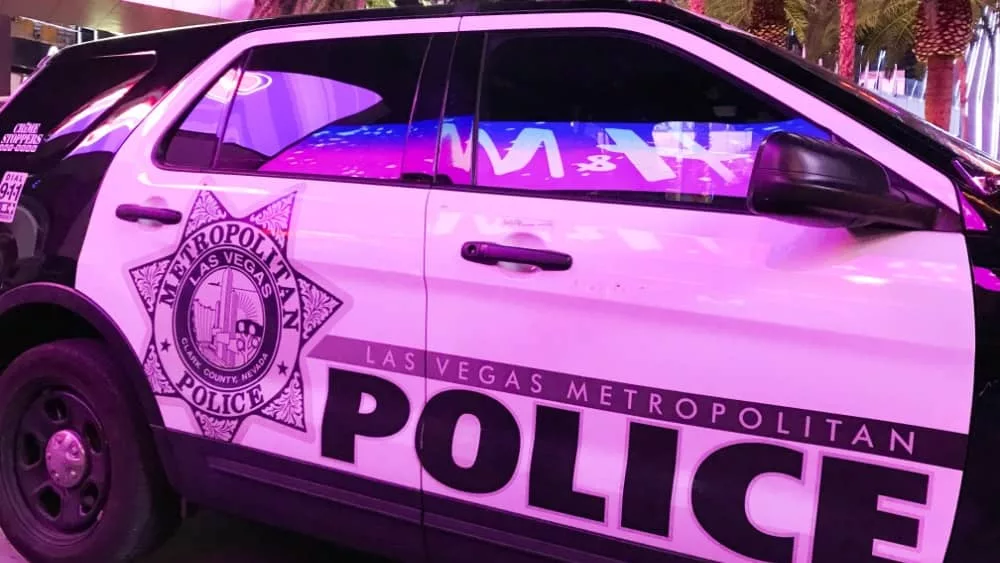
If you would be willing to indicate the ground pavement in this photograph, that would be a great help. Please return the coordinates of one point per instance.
(209, 537)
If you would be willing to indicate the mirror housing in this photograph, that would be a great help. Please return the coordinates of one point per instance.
(807, 181)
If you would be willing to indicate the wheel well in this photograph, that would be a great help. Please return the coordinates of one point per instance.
(25, 326)
(30, 316)
(46, 313)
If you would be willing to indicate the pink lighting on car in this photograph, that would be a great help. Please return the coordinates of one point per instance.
(98, 106)
(251, 83)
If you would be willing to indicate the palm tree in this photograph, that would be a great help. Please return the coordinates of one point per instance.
(274, 8)
(942, 33)
(848, 36)
(768, 21)
(270, 8)
(733, 12)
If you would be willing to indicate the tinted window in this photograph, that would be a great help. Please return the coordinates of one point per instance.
(330, 108)
(56, 108)
(193, 142)
(629, 120)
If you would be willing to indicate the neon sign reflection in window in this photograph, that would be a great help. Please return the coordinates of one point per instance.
(251, 83)
(693, 158)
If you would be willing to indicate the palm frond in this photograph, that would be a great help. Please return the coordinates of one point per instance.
(797, 12)
(891, 31)
(733, 12)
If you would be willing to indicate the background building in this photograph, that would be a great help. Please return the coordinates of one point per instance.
(37, 28)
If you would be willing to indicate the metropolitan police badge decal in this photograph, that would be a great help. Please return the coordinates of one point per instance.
(230, 318)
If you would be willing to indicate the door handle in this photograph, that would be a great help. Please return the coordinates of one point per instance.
(491, 253)
(132, 213)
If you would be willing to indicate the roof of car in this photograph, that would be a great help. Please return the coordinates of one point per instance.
(218, 33)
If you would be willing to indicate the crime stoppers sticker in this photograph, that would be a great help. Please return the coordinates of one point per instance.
(10, 193)
(25, 137)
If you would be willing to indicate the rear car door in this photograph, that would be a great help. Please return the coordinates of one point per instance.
(256, 228)
(624, 363)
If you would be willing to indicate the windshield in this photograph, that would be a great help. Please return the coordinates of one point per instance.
(966, 152)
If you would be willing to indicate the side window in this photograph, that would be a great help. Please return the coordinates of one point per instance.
(611, 116)
(193, 143)
(60, 104)
(335, 108)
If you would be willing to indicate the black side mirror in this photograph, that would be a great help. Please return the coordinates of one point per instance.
(807, 181)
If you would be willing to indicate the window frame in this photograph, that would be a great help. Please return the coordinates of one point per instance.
(239, 63)
(162, 143)
(727, 204)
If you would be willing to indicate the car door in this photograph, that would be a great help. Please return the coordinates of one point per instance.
(276, 226)
(624, 363)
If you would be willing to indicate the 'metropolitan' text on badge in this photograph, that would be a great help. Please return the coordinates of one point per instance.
(230, 316)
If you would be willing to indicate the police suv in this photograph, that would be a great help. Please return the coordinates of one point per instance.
(555, 281)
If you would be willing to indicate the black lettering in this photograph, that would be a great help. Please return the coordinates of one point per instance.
(239, 403)
(188, 255)
(848, 518)
(291, 319)
(168, 294)
(256, 246)
(217, 234)
(199, 395)
(217, 403)
(553, 466)
(286, 293)
(246, 237)
(200, 243)
(499, 441)
(649, 479)
(186, 382)
(270, 257)
(256, 397)
(232, 230)
(343, 420)
(282, 272)
(718, 498)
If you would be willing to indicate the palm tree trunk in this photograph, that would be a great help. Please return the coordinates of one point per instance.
(321, 6)
(816, 21)
(268, 9)
(963, 98)
(991, 143)
(940, 86)
(768, 21)
(848, 30)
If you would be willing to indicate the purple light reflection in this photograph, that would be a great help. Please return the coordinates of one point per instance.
(707, 159)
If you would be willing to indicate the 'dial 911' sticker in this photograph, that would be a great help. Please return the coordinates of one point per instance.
(11, 187)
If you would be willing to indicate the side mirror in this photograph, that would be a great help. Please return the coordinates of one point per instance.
(807, 181)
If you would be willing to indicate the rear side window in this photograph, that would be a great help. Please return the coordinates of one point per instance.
(59, 104)
(193, 143)
(632, 121)
(326, 108)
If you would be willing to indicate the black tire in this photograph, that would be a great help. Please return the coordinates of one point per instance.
(131, 507)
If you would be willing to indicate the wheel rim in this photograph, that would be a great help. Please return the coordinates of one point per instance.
(61, 461)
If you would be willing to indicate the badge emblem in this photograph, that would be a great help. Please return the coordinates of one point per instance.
(230, 317)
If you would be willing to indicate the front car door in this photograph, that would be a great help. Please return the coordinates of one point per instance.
(285, 162)
(691, 379)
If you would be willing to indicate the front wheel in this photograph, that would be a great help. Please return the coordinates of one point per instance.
(80, 480)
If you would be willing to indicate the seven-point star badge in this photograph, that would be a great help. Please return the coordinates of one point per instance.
(230, 317)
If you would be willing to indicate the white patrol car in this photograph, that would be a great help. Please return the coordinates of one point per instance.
(556, 281)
